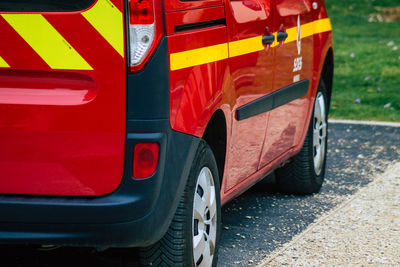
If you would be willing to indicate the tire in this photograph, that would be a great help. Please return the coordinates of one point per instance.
(196, 222)
(305, 172)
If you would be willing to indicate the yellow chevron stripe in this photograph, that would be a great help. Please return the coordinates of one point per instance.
(3, 63)
(46, 41)
(108, 21)
(198, 56)
(215, 53)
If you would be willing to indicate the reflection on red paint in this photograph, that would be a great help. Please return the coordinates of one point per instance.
(293, 7)
(249, 13)
(22, 87)
(248, 137)
(252, 4)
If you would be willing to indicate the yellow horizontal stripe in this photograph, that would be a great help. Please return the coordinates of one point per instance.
(46, 41)
(245, 46)
(214, 53)
(3, 63)
(275, 43)
(198, 56)
(108, 21)
(307, 30)
(322, 25)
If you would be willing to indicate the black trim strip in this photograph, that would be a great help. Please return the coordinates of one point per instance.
(200, 25)
(274, 100)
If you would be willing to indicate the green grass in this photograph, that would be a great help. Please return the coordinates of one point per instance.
(373, 58)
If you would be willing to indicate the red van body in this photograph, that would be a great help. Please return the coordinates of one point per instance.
(241, 75)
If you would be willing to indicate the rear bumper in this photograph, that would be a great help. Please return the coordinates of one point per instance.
(138, 213)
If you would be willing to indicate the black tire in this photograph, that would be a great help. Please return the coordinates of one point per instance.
(300, 176)
(176, 247)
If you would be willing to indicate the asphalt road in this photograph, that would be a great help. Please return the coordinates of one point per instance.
(262, 220)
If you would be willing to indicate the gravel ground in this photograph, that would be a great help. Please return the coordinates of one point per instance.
(364, 231)
(263, 220)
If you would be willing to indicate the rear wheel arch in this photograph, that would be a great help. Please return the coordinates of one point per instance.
(327, 74)
(216, 137)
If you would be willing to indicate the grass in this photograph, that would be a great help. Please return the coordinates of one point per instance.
(366, 67)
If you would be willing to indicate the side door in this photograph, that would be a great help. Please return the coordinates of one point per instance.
(293, 66)
(251, 67)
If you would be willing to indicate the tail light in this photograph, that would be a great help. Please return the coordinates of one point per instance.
(145, 159)
(145, 30)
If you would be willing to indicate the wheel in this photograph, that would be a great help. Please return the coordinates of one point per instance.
(305, 172)
(193, 236)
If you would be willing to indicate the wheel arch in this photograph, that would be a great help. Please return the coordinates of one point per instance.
(327, 73)
(215, 135)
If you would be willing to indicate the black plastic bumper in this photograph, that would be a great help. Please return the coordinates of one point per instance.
(138, 213)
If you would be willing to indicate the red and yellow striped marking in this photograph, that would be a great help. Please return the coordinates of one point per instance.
(108, 21)
(3, 63)
(49, 44)
(215, 53)
(38, 41)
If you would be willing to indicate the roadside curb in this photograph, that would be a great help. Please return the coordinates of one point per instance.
(376, 123)
(391, 169)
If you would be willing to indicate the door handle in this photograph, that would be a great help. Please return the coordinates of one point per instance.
(281, 36)
(268, 39)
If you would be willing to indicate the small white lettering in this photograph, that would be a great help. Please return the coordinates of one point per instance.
(297, 64)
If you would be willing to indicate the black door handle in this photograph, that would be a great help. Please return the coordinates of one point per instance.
(268, 39)
(281, 36)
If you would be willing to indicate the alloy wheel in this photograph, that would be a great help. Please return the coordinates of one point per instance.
(319, 132)
(204, 219)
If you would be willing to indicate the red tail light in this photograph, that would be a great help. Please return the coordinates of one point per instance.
(145, 30)
(145, 159)
(141, 12)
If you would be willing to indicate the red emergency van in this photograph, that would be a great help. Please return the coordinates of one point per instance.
(128, 123)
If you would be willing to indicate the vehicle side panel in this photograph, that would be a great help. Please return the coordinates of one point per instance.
(198, 73)
(174, 5)
(293, 63)
(252, 75)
